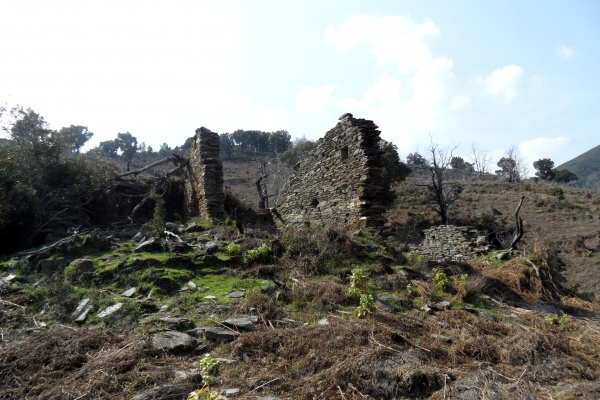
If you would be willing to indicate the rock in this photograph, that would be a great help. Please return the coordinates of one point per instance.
(443, 338)
(5, 281)
(213, 247)
(220, 335)
(194, 375)
(232, 392)
(209, 297)
(164, 392)
(82, 310)
(109, 310)
(268, 289)
(147, 305)
(173, 341)
(52, 266)
(269, 398)
(150, 245)
(236, 294)
(240, 323)
(485, 315)
(323, 321)
(176, 322)
(193, 227)
(129, 292)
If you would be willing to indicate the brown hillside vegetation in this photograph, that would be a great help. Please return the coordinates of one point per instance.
(328, 312)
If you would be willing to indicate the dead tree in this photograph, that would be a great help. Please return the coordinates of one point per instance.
(519, 230)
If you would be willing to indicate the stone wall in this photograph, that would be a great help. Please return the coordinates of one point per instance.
(448, 242)
(204, 186)
(340, 180)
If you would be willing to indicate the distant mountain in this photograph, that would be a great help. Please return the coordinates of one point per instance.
(587, 168)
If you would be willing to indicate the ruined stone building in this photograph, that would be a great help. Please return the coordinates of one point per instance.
(204, 186)
(448, 242)
(340, 180)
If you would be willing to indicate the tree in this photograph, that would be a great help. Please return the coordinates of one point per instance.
(33, 135)
(227, 144)
(458, 163)
(564, 176)
(416, 160)
(545, 169)
(394, 170)
(480, 160)
(74, 137)
(512, 166)
(440, 192)
(280, 141)
(128, 145)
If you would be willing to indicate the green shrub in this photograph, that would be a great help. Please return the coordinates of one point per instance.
(366, 307)
(558, 193)
(441, 282)
(557, 320)
(233, 249)
(260, 254)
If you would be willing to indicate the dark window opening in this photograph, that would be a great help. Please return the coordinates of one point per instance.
(344, 153)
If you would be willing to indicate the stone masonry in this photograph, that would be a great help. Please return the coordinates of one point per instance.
(204, 186)
(448, 242)
(340, 180)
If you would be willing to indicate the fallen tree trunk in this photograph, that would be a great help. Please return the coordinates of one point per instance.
(519, 221)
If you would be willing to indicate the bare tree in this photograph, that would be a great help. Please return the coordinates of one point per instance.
(480, 159)
(441, 192)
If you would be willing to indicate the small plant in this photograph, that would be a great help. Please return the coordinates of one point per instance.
(555, 319)
(527, 186)
(259, 254)
(410, 258)
(366, 306)
(158, 219)
(463, 278)
(558, 193)
(209, 368)
(233, 249)
(412, 290)
(441, 282)
(359, 283)
(587, 253)
(231, 222)
(204, 394)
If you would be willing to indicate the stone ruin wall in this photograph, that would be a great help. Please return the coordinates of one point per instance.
(448, 242)
(204, 186)
(340, 180)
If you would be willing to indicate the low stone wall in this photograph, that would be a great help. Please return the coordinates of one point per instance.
(204, 186)
(448, 242)
(340, 180)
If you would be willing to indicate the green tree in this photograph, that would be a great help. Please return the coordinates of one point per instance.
(280, 141)
(458, 163)
(544, 168)
(128, 145)
(227, 144)
(74, 137)
(564, 176)
(416, 160)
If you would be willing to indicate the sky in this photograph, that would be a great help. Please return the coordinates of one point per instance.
(494, 74)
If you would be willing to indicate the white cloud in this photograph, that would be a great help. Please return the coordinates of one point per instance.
(272, 119)
(504, 82)
(565, 52)
(543, 147)
(312, 100)
(412, 90)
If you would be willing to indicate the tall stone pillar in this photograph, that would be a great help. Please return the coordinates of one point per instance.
(204, 186)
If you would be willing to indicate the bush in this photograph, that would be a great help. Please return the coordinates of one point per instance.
(260, 254)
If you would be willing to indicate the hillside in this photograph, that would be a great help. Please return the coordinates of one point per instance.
(587, 168)
(282, 312)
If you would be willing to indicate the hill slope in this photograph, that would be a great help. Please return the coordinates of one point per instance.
(587, 168)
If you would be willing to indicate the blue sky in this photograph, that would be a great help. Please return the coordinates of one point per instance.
(496, 74)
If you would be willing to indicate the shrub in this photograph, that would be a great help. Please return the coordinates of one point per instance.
(233, 249)
(441, 282)
(558, 193)
(260, 254)
(558, 319)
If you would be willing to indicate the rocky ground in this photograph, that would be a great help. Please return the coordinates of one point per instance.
(279, 312)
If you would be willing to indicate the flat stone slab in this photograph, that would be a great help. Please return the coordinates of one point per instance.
(5, 281)
(129, 292)
(240, 323)
(109, 310)
(237, 294)
(173, 341)
(176, 322)
(219, 334)
(149, 245)
(80, 306)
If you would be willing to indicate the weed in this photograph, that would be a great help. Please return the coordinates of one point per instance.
(359, 283)
(233, 249)
(260, 254)
(587, 253)
(366, 307)
(463, 278)
(441, 282)
(557, 319)
(158, 220)
(204, 394)
(558, 193)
